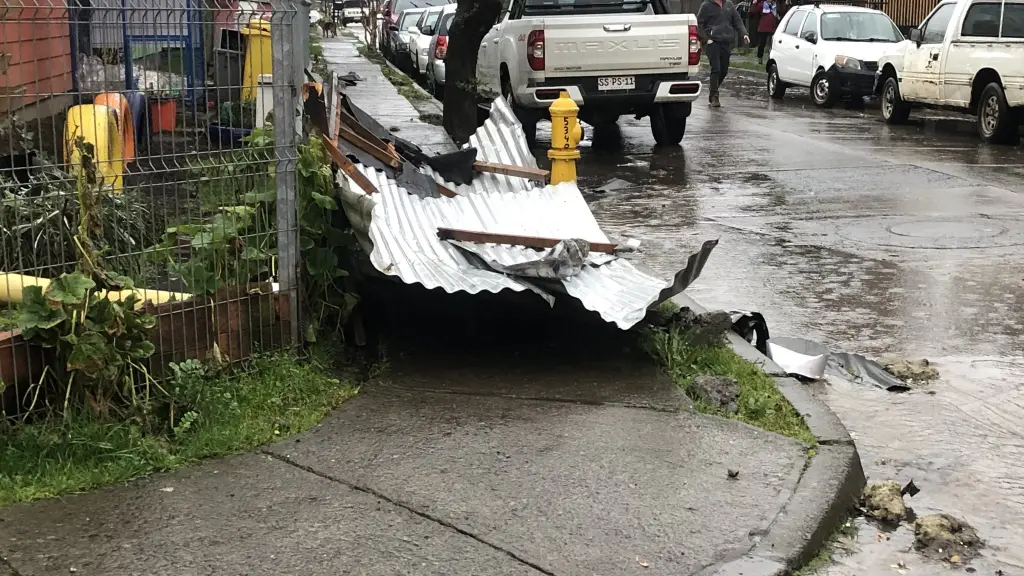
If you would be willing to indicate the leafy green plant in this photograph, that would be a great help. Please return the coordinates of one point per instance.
(237, 114)
(227, 179)
(760, 402)
(318, 64)
(39, 218)
(231, 248)
(237, 242)
(323, 243)
(98, 342)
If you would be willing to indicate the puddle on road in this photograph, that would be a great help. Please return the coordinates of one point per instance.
(962, 439)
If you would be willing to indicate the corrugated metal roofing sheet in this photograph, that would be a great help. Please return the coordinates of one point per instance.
(400, 234)
(499, 140)
(399, 231)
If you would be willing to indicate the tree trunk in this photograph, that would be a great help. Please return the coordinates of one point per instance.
(473, 19)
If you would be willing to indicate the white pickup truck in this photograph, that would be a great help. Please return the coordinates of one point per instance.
(613, 57)
(967, 55)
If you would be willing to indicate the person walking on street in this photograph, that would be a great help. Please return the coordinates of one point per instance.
(719, 24)
(768, 22)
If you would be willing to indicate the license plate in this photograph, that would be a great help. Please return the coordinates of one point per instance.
(616, 83)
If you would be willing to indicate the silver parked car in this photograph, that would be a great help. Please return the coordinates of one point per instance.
(398, 38)
(437, 52)
(420, 35)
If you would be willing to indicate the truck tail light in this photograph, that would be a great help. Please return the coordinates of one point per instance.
(535, 50)
(441, 49)
(694, 46)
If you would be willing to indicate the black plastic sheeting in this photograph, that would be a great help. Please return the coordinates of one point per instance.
(846, 365)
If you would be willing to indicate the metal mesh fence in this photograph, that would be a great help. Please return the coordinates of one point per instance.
(165, 133)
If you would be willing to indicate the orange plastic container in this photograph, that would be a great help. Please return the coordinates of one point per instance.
(163, 115)
(124, 120)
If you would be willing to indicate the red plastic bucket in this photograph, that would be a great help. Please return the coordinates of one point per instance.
(163, 115)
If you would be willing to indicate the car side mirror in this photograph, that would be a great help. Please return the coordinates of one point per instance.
(916, 35)
(393, 27)
(811, 36)
(413, 30)
(427, 30)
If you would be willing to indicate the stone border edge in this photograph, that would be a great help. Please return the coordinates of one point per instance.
(829, 486)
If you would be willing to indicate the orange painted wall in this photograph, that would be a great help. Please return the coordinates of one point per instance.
(37, 36)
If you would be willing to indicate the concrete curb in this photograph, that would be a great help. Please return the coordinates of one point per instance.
(428, 106)
(830, 484)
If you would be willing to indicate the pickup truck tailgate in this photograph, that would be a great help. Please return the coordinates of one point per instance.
(620, 43)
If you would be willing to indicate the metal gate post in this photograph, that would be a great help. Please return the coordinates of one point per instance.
(287, 124)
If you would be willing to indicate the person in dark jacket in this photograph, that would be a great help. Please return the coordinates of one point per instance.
(719, 24)
(768, 21)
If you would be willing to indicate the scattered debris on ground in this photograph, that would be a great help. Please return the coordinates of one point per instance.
(884, 501)
(720, 392)
(752, 327)
(707, 329)
(616, 185)
(943, 537)
(799, 357)
(909, 371)
(910, 489)
(732, 474)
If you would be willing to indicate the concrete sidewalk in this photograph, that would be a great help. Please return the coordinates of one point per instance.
(482, 452)
(378, 97)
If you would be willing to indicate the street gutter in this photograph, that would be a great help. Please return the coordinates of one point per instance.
(828, 488)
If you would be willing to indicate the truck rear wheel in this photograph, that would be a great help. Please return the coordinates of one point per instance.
(997, 123)
(668, 123)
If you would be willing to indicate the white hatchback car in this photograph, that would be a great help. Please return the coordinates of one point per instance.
(833, 50)
(420, 35)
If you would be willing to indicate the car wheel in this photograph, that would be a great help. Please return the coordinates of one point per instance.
(823, 92)
(668, 123)
(996, 122)
(432, 84)
(776, 87)
(526, 117)
(894, 109)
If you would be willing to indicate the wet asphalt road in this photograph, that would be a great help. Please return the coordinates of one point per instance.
(871, 239)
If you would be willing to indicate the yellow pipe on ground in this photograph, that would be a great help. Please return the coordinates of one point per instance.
(11, 286)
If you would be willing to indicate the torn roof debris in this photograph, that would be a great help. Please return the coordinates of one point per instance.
(497, 228)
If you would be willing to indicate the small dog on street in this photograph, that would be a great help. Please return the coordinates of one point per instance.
(329, 28)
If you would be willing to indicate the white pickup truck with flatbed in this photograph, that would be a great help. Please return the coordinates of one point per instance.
(613, 57)
(967, 56)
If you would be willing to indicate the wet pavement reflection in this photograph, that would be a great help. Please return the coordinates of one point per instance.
(871, 239)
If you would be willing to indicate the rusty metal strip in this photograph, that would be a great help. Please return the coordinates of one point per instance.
(537, 174)
(380, 153)
(349, 168)
(446, 191)
(513, 240)
(349, 121)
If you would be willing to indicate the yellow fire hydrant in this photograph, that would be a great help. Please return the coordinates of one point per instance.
(566, 134)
